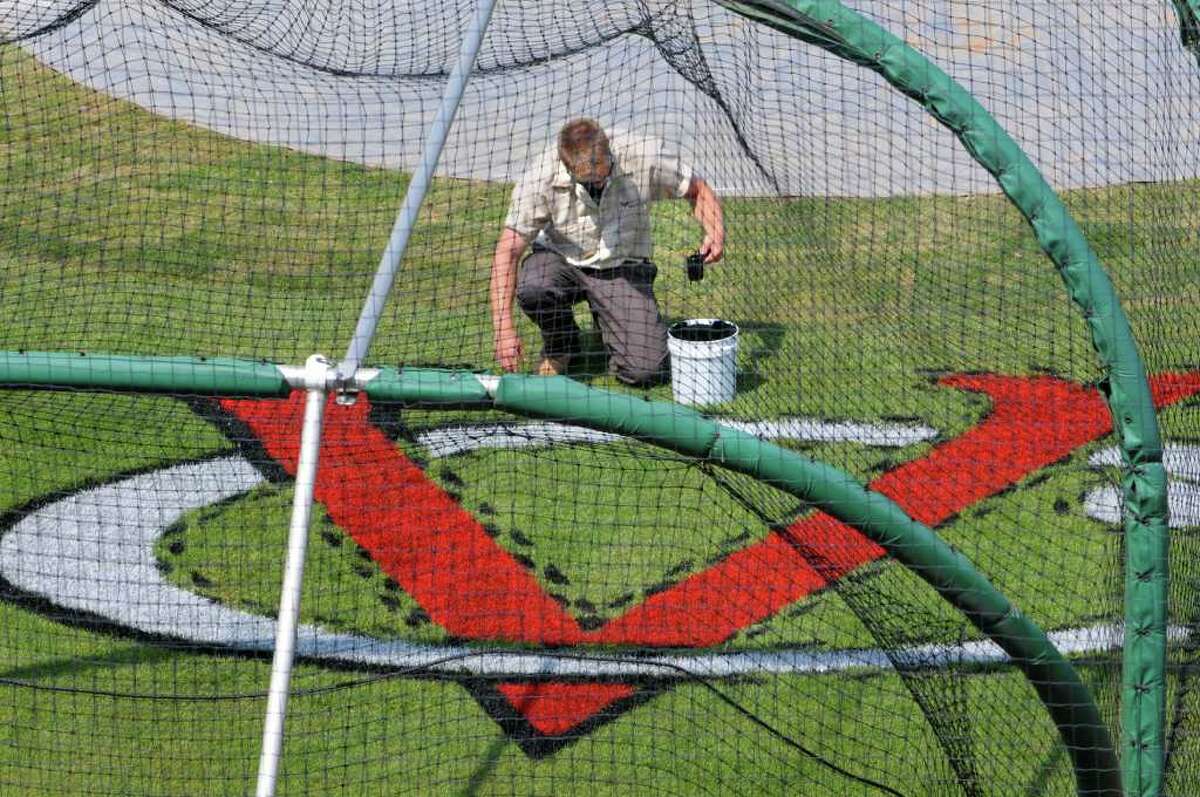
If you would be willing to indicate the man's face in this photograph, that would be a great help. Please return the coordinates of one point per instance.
(592, 169)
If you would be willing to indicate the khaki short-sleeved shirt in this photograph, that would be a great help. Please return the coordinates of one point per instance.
(549, 204)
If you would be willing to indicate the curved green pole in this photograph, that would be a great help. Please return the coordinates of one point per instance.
(832, 26)
(1189, 23)
(677, 428)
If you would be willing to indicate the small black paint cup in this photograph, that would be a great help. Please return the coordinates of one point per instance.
(695, 267)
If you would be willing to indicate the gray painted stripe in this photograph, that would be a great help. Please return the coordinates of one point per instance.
(94, 552)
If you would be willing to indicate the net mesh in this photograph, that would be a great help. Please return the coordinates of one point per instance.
(497, 605)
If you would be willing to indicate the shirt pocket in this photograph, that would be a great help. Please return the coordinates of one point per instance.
(632, 217)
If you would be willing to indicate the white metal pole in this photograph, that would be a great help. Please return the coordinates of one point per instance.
(406, 219)
(315, 380)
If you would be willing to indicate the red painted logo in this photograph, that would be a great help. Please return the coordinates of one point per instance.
(475, 589)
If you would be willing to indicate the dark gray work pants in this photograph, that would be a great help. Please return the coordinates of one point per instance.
(622, 303)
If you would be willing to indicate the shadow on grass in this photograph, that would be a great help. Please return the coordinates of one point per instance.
(487, 765)
(592, 360)
(29, 674)
(1041, 779)
(757, 340)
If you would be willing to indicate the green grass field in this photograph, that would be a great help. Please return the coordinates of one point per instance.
(124, 232)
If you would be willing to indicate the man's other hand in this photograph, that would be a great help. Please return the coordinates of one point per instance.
(713, 248)
(707, 210)
(509, 349)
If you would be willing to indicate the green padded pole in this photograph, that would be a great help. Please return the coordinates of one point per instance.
(830, 25)
(1067, 699)
(427, 387)
(213, 376)
(1189, 23)
(195, 375)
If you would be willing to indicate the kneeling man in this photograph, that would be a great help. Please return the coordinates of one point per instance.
(584, 208)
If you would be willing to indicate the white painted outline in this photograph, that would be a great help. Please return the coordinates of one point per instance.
(450, 440)
(93, 552)
(1182, 463)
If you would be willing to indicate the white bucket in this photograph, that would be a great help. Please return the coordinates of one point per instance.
(703, 360)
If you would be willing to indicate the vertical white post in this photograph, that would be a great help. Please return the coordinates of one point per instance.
(316, 371)
(406, 219)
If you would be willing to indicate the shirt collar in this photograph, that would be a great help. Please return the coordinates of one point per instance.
(562, 177)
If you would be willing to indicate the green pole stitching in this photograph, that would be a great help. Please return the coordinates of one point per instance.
(830, 25)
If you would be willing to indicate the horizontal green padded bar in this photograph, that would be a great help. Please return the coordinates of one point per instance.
(428, 387)
(224, 376)
(209, 376)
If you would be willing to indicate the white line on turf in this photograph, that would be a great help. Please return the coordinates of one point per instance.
(449, 440)
(94, 552)
(1182, 463)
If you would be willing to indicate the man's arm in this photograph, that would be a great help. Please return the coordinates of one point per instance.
(707, 210)
(503, 294)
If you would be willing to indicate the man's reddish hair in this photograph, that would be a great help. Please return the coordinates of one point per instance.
(582, 142)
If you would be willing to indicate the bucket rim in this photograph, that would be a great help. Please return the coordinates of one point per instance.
(717, 324)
